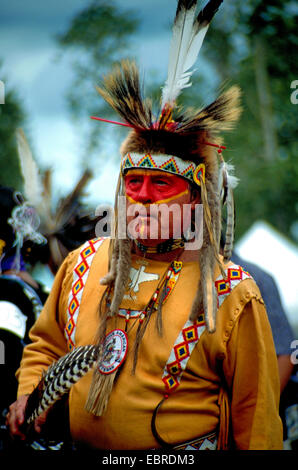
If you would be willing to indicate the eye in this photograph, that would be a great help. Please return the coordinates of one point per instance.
(161, 182)
(132, 180)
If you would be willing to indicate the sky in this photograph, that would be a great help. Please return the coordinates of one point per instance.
(29, 52)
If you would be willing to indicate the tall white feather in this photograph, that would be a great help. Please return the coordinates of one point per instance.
(178, 78)
(227, 177)
(187, 39)
(32, 181)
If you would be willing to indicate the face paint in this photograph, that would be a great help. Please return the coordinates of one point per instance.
(153, 187)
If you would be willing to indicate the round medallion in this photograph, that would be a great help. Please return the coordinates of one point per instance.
(114, 351)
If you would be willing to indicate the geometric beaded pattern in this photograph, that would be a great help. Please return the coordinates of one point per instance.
(172, 278)
(224, 287)
(183, 347)
(167, 163)
(191, 332)
(80, 275)
(208, 442)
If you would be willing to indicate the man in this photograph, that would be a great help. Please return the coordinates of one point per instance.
(187, 359)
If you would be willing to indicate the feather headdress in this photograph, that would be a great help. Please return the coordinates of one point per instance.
(188, 136)
(66, 224)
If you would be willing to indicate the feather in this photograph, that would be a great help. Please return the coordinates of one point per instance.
(32, 181)
(187, 39)
(220, 115)
(59, 378)
(230, 227)
(121, 89)
(68, 206)
(227, 179)
(227, 182)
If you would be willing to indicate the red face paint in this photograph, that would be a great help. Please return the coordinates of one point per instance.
(153, 186)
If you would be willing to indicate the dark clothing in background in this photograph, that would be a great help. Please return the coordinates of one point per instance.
(20, 306)
(281, 329)
(283, 337)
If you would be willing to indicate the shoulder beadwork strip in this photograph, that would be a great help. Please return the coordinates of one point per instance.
(224, 287)
(80, 276)
(192, 331)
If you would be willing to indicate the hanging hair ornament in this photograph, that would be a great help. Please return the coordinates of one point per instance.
(227, 182)
(25, 222)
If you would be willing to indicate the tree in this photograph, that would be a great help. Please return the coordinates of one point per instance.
(254, 43)
(12, 116)
(96, 38)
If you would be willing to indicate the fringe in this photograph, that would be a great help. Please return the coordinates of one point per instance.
(139, 336)
(224, 420)
(100, 391)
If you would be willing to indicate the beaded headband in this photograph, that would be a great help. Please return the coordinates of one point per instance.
(168, 163)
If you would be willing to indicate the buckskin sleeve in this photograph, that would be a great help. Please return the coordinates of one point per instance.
(47, 334)
(252, 374)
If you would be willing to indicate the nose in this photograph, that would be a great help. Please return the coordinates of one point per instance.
(145, 194)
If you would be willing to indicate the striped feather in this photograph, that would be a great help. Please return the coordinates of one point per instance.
(230, 226)
(227, 182)
(59, 378)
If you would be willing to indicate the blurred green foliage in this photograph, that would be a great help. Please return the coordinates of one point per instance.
(253, 44)
(97, 37)
(12, 116)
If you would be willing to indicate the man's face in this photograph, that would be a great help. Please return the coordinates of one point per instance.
(158, 205)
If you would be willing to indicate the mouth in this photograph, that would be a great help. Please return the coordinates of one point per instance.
(146, 226)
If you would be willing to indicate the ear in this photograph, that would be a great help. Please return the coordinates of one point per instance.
(195, 196)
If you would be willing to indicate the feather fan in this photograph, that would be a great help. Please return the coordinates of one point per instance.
(188, 35)
(33, 186)
(59, 378)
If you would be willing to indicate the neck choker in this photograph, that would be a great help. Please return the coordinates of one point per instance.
(164, 247)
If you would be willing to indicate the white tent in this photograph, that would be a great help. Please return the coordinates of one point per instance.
(273, 252)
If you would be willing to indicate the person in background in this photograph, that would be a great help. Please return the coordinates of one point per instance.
(21, 296)
(283, 337)
(282, 332)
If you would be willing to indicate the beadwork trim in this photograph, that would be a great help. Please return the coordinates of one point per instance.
(192, 331)
(80, 276)
(168, 163)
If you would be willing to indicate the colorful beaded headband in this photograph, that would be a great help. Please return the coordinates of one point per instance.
(168, 163)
